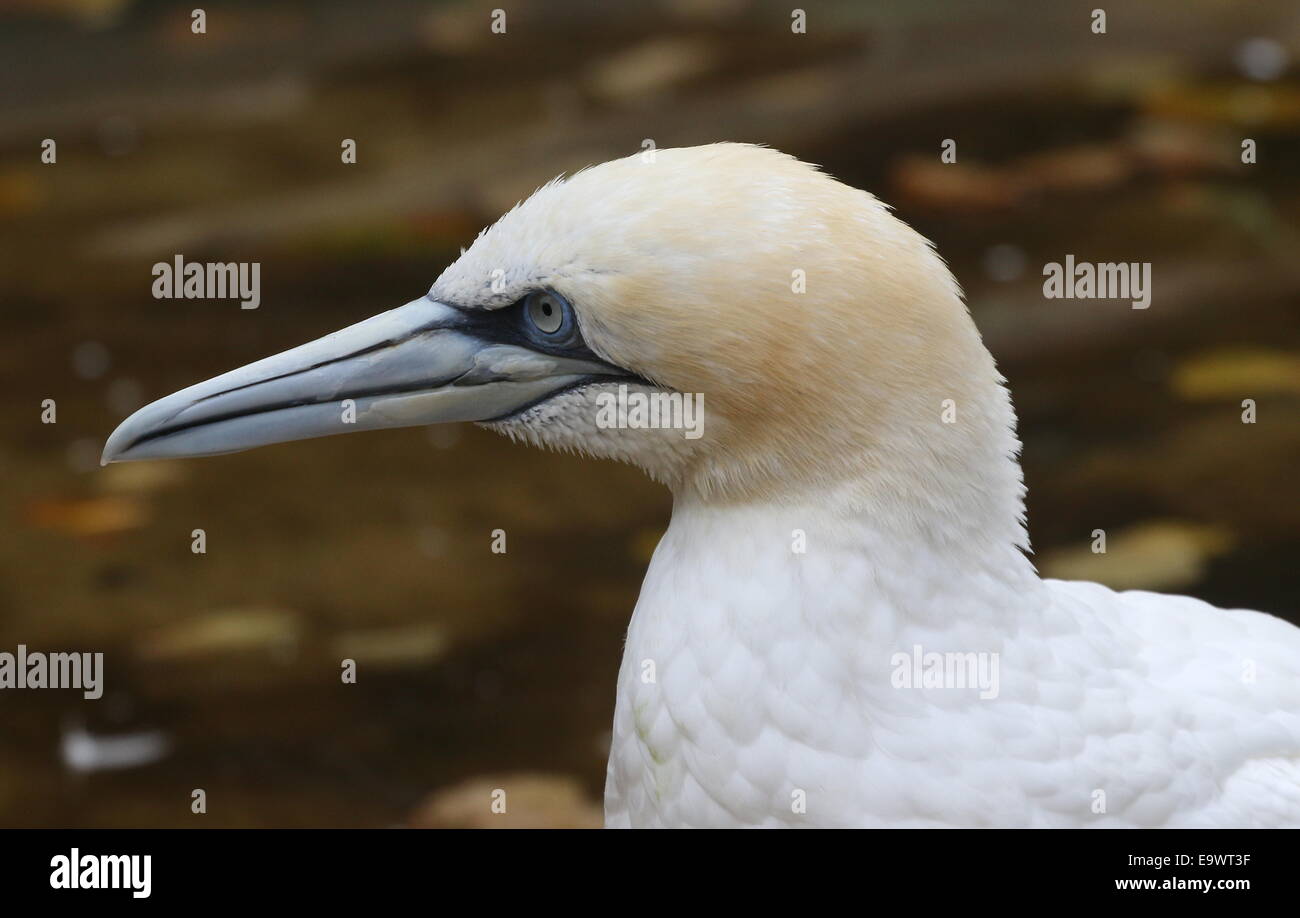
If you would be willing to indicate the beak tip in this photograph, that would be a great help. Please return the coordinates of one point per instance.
(117, 444)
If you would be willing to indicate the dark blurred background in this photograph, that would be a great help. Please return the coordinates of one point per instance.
(479, 670)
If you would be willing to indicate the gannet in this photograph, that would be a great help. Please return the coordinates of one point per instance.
(852, 513)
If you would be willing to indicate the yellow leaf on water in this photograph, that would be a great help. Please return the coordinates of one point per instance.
(1276, 105)
(226, 631)
(650, 67)
(1153, 555)
(392, 647)
(20, 193)
(522, 801)
(93, 516)
(1237, 373)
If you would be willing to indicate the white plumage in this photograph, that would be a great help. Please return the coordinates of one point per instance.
(773, 677)
(855, 504)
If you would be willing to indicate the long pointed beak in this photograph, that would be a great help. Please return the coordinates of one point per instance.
(418, 364)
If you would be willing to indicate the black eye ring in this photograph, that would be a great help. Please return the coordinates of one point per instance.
(547, 316)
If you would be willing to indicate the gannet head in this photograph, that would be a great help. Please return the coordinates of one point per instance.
(829, 342)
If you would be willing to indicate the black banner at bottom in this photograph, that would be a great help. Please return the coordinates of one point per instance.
(332, 868)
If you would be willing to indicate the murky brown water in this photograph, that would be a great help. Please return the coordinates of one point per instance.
(377, 546)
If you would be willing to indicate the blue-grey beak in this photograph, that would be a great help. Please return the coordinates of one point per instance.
(422, 363)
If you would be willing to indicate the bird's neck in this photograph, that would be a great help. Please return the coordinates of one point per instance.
(930, 550)
(819, 562)
(761, 621)
(929, 466)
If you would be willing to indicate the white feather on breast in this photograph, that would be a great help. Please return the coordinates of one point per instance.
(755, 677)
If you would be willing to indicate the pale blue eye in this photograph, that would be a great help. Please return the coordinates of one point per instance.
(547, 312)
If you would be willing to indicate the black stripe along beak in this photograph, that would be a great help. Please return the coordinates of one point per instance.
(422, 363)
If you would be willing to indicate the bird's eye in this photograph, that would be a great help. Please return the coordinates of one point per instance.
(546, 311)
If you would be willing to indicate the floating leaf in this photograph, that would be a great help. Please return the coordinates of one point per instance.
(1154, 555)
(392, 647)
(223, 632)
(529, 801)
(92, 516)
(1236, 373)
(651, 67)
(953, 185)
